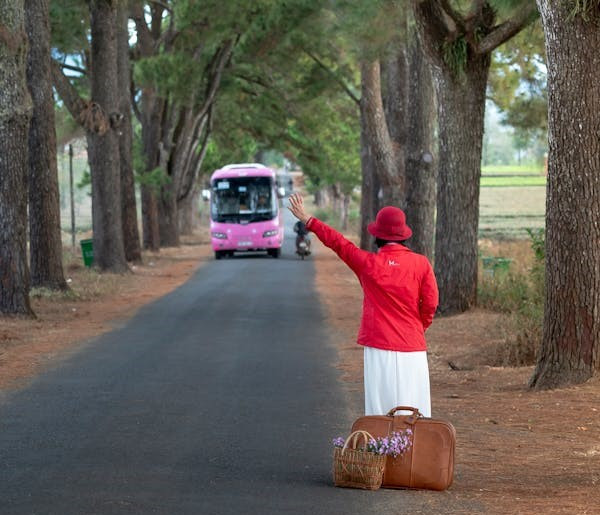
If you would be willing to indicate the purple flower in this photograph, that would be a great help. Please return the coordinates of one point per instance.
(339, 442)
(395, 444)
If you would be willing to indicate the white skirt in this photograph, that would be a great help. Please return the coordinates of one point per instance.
(396, 379)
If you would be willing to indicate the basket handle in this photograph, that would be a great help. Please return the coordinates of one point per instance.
(416, 414)
(355, 436)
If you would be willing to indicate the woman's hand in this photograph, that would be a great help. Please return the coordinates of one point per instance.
(297, 207)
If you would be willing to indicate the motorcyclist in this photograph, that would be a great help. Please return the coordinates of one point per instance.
(301, 235)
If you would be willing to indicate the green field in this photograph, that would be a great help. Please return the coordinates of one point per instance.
(512, 170)
(508, 212)
(512, 180)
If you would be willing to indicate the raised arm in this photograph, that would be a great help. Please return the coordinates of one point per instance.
(344, 248)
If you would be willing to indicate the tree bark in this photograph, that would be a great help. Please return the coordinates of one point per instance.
(15, 114)
(420, 141)
(151, 115)
(394, 77)
(369, 200)
(345, 214)
(460, 47)
(336, 198)
(45, 239)
(151, 235)
(131, 235)
(182, 137)
(388, 156)
(321, 198)
(188, 212)
(168, 217)
(460, 118)
(571, 336)
(103, 144)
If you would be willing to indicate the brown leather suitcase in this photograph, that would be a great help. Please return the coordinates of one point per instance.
(429, 463)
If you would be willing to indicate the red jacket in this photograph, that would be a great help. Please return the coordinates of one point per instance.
(400, 291)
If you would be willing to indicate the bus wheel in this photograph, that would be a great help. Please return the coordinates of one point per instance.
(219, 254)
(274, 252)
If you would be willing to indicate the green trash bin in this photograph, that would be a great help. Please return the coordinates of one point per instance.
(495, 266)
(87, 251)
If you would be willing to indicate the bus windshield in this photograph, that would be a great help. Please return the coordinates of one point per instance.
(243, 200)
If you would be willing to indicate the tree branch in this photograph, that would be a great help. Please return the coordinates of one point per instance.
(252, 80)
(459, 25)
(477, 11)
(215, 81)
(387, 156)
(65, 66)
(68, 94)
(434, 23)
(163, 5)
(507, 30)
(88, 114)
(194, 161)
(144, 36)
(330, 72)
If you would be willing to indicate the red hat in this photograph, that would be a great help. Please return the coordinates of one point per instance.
(390, 225)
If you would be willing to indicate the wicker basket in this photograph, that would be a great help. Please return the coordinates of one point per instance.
(357, 468)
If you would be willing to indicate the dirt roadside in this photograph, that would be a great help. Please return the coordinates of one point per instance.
(518, 451)
(96, 304)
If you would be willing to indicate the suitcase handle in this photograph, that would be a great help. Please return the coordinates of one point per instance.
(415, 412)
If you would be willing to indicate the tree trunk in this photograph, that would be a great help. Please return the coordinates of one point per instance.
(150, 231)
(150, 116)
(181, 140)
(45, 239)
(188, 192)
(168, 218)
(188, 212)
(461, 46)
(369, 199)
(388, 157)
(321, 198)
(103, 144)
(15, 114)
(152, 113)
(571, 336)
(460, 116)
(394, 74)
(420, 166)
(345, 211)
(336, 198)
(131, 235)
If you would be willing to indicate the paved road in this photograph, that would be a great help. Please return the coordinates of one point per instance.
(219, 398)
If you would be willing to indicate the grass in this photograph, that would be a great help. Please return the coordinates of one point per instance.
(530, 169)
(513, 180)
(83, 283)
(519, 295)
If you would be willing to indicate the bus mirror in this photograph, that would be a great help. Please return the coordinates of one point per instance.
(281, 192)
(206, 195)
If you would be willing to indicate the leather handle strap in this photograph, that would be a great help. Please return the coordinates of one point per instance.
(416, 414)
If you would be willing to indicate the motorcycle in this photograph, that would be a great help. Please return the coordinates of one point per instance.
(302, 245)
(302, 240)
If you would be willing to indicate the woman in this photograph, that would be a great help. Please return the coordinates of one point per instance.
(400, 299)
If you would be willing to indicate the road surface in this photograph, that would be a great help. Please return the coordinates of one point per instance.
(220, 398)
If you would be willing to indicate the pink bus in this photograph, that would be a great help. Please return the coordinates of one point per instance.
(244, 210)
